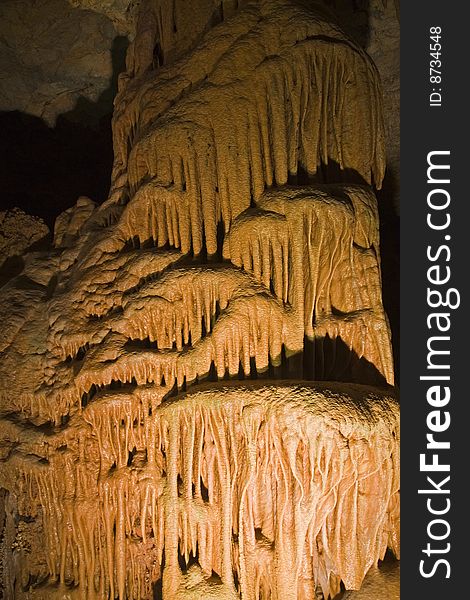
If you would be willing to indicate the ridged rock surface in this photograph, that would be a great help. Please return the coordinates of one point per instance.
(283, 488)
(239, 242)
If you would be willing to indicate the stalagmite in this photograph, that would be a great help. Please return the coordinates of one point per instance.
(196, 380)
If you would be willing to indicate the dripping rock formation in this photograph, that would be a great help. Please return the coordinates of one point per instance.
(196, 377)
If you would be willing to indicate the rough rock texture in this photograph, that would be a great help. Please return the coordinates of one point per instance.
(384, 48)
(380, 584)
(122, 13)
(282, 487)
(69, 224)
(239, 241)
(375, 25)
(18, 232)
(52, 54)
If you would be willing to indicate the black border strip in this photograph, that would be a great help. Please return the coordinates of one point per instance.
(433, 124)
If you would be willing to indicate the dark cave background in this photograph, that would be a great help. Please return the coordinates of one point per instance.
(44, 170)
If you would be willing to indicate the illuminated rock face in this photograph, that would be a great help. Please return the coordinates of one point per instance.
(239, 242)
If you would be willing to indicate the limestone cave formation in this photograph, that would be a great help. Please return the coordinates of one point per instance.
(196, 375)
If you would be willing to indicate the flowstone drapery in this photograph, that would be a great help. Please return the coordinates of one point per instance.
(239, 242)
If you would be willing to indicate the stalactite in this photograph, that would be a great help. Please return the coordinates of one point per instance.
(307, 98)
(232, 149)
(230, 248)
(331, 277)
(291, 503)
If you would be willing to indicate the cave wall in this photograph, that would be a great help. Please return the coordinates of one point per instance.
(60, 61)
(165, 425)
(59, 74)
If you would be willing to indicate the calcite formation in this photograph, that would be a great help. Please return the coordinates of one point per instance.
(18, 233)
(196, 394)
